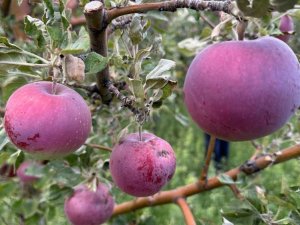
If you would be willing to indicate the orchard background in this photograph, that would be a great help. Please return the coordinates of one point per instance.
(162, 44)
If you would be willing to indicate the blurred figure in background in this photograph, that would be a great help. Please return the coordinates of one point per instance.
(221, 152)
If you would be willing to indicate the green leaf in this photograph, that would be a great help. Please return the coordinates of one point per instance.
(225, 179)
(12, 60)
(137, 89)
(48, 7)
(254, 8)
(163, 66)
(6, 188)
(283, 5)
(12, 84)
(136, 67)
(136, 34)
(56, 194)
(82, 44)
(95, 63)
(3, 138)
(37, 29)
(35, 170)
(26, 207)
(4, 41)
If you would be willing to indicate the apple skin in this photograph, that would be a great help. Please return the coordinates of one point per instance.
(142, 168)
(87, 207)
(286, 25)
(21, 172)
(47, 125)
(243, 90)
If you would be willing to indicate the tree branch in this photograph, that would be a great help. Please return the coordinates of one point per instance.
(165, 197)
(95, 15)
(187, 213)
(171, 6)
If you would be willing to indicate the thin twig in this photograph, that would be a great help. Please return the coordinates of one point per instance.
(210, 150)
(122, 24)
(166, 197)
(207, 20)
(126, 101)
(236, 191)
(186, 211)
(101, 147)
(170, 6)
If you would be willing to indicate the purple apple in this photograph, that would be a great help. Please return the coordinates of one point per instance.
(142, 167)
(45, 124)
(87, 207)
(286, 26)
(21, 172)
(242, 90)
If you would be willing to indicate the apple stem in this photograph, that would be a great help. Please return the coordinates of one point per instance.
(54, 87)
(210, 150)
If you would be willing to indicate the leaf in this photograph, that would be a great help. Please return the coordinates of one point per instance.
(48, 7)
(163, 66)
(226, 222)
(225, 179)
(137, 32)
(82, 44)
(56, 194)
(10, 60)
(35, 170)
(3, 138)
(37, 29)
(137, 89)
(12, 84)
(254, 8)
(95, 63)
(217, 29)
(26, 207)
(283, 5)
(136, 67)
(190, 46)
(4, 40)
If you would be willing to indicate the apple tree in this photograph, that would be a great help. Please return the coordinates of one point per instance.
(104, 105)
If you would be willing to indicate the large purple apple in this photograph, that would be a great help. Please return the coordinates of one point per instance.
(142, 167)
(88, 207)
(242, 90)
(286, 26)
(45, 124)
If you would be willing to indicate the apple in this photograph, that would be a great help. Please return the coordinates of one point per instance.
(45, 124)
(142, 167)
(243, 90)
(88, 207)
(286, 26)
(21, 172)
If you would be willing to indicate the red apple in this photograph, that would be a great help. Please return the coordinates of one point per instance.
(87, 207)
(21, 172)
(242, 90)
(45, 124)
(142, 168)
(286, 26)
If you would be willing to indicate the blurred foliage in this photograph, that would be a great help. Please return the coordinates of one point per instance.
(142, 55)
